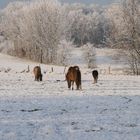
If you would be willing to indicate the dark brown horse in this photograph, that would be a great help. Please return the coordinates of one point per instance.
(37, 73)
(74, 75)
(95, 75)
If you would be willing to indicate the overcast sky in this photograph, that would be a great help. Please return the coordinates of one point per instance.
(102, 2)
(3, 3)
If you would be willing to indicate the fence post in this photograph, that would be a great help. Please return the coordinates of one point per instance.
(52, 69)
(109, 70)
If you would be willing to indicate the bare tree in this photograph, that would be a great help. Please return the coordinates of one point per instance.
(85, 25)
(114, 27)
(131, 16)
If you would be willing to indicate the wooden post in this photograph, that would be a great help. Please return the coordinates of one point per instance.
(41, 56)
(28, 69)
(109, 70)
(64, 69)
(52, 69)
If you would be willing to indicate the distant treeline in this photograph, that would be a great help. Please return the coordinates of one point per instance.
(38, 28)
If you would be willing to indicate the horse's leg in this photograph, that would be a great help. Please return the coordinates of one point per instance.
(80, 87)
(35, 78)
(40, 77)
(77, 85)
(72, 85)
(69, 84)
(97, 79)
(94, 81)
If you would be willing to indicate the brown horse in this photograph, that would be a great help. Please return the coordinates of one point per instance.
(37, 73)
(95, 75)
(74, 75)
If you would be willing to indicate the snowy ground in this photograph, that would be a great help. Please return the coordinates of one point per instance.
(29, 110)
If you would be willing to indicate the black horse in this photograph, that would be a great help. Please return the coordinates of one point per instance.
(95, 75)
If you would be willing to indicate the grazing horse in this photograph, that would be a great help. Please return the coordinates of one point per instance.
(95, 75)
(37, 73)
(74, 75)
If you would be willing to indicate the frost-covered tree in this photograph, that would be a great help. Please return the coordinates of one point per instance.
(35, 29)
(85, 25)
(64, 52)
(90, 55)
(113, 26)
(131, 16)
(123, 30)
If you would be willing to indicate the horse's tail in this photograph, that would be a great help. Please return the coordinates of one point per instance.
(78, 80)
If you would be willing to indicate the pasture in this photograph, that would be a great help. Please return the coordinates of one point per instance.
(31, 110)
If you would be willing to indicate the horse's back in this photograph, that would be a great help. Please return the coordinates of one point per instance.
(70, 74)
(37, 70)
(76, 67)
(74, 75)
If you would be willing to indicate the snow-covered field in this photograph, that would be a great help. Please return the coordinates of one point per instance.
(30, 110)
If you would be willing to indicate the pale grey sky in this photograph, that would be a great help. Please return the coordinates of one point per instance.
(102, 2)
(3, 3)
